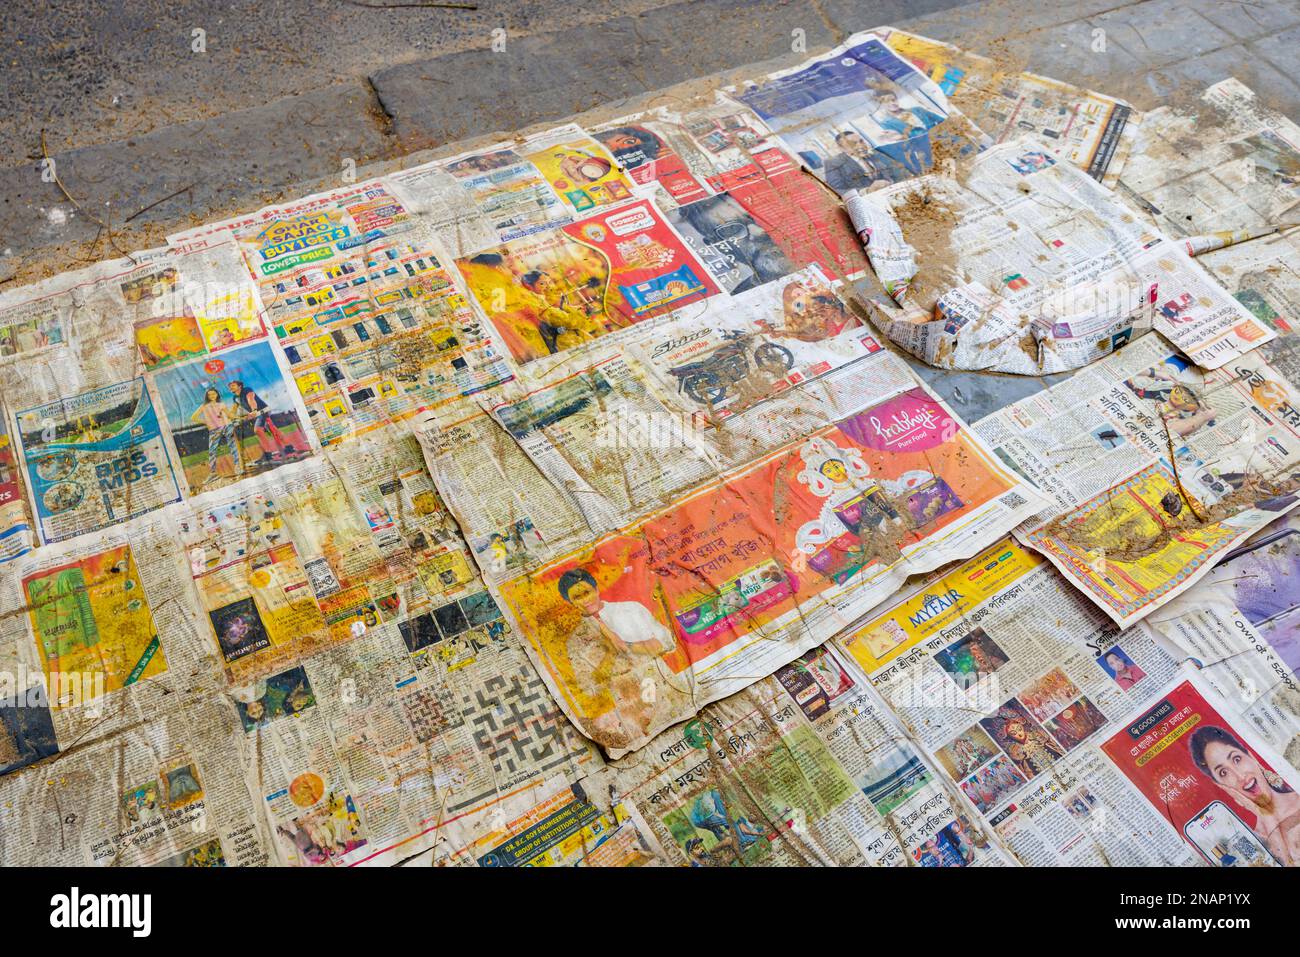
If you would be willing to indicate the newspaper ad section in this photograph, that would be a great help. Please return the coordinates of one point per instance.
(1157, 469)
(1008, 679)
(159, 382)
(566, 501)
(1241, 629)
(1211, 780)
(804, 767)
(638, 628)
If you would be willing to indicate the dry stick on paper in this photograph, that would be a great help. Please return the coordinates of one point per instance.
(1173, 462)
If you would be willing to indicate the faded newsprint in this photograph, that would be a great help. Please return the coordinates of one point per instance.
(149, 380)
(1230, 189)
(360, 689)
(1156, 469)
(1025, 264)
(167, 792)
(804, 767)
(646, 592)
(362, 300)
(1006, 676)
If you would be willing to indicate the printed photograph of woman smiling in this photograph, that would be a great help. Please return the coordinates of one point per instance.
(1217, 781)
(1243, 778)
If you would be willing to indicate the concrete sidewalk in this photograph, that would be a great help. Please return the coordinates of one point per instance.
(351, 103)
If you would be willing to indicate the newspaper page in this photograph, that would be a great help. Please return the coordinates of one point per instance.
(1225, 164)
(1219, 787)
(804, 767)
(859, 116)
(366, 307)
(165, 793)
(1230, 193)
(1093, 131)
(636, 626)
(563, 289)
(101, 634)
(1000, 669)
(1024, 264)
(480, 199)
(422, 708)
(1241, 628)
(162, 383)
(564, 828)
(767, 342)
(15, 520)
(366, 754)
(731, 150)
(1156, 469)
(318, 558)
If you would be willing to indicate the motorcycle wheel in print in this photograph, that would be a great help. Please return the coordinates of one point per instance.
(773, 358)
(706, 388)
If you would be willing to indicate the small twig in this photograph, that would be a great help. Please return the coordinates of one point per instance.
(1173, 463)
(159, 202)
(54, 170)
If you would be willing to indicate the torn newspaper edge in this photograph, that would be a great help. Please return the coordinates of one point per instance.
(1156, 468)
(1028, 266)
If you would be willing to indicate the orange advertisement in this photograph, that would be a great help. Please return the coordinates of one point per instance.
(626, 626)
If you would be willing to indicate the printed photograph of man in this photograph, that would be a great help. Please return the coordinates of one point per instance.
(858, 165)
(615, 649)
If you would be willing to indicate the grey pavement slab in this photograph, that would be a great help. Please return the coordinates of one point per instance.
(1155, 51)
(1161, 31)
(552, 76)
(1184, 79)
(97, 71)
(232, 157)
(1247, 19)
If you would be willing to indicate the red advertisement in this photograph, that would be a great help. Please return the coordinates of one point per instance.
(649, 159)
(803, 216)
(1217, 790)
(552, 291)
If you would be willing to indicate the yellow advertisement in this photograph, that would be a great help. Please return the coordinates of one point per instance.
(1135, 542)
(93, 627)
(583, 174)
(940, 604)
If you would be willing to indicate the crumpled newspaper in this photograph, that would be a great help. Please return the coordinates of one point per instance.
(1025, 265)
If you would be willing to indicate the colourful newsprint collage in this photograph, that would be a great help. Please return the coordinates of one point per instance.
(658, 491)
